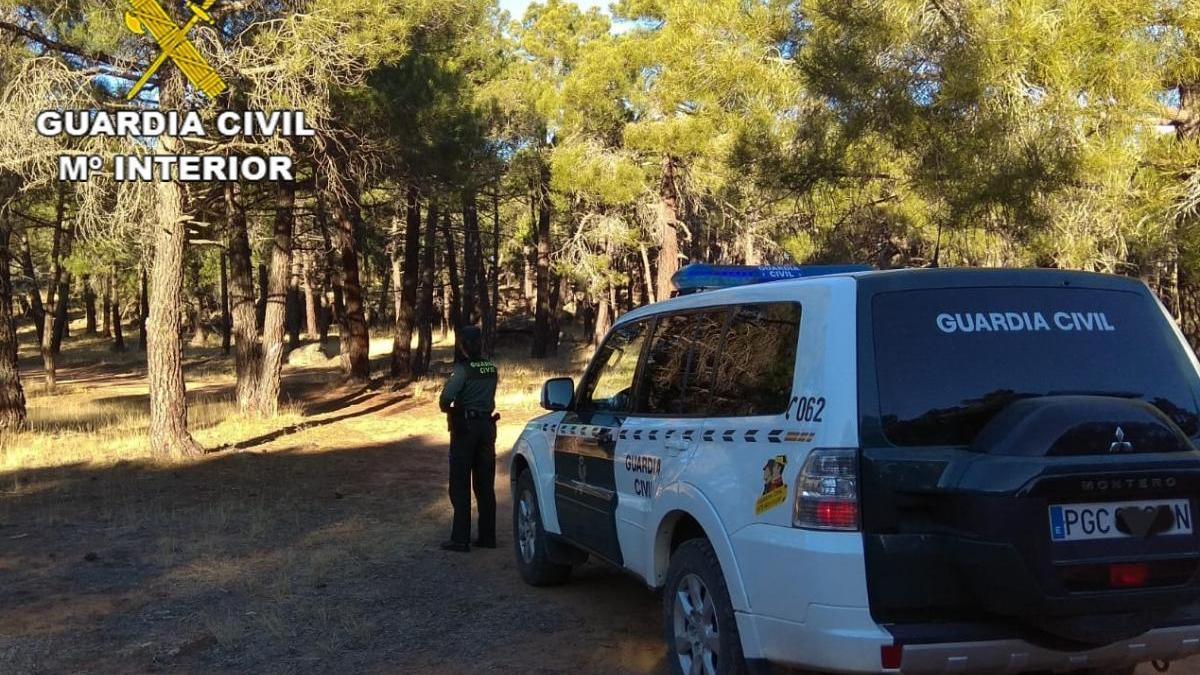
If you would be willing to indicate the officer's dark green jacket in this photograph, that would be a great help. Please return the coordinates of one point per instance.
(472, 386)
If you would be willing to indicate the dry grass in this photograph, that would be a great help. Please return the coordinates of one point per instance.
(305, 540)
(99, 412)
(102, 424)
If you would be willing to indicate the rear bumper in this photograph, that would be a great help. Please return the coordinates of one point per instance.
(1015, 656)
(846, 640)
(832, 639)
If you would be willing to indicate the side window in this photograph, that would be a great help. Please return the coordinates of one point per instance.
(758, 360)
(666, 362)
(681, 363)
(703, 361)
(610, 387)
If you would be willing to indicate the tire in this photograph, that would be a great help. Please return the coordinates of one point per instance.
(697, 615)
(529, 538)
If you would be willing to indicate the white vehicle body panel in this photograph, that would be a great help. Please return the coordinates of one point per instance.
(712, 470)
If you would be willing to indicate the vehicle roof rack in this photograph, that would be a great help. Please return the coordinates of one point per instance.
(698, 277)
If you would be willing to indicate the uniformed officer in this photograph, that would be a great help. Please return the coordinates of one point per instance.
(469, 399)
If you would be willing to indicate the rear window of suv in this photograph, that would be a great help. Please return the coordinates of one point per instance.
(947, 360)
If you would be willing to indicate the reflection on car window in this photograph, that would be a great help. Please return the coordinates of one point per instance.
(702, 365)
(758, 360)
(680, 363)
(948, 360)
(611, 387)
(666, 363)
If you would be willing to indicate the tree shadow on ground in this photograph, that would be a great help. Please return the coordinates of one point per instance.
(349, 401)
(286, 561)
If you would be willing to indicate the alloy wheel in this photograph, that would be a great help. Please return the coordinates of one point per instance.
(697, 641)
(526, 527)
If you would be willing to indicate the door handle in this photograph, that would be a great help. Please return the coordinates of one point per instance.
(676, 448)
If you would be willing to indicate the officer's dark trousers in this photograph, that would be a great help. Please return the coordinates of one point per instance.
(473, 462)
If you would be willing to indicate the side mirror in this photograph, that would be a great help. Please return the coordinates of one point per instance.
(557, 393)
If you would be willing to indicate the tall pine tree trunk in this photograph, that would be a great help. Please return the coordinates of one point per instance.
(333, 264)
(543, 322)
(55, 332)
(454, 306)
(12, 395)
(89, 305)
(311, 306)
(278, 286)
(471, 262)
(115, 313)
(668, 252)
(295, 305)
(528, 275)
(244, 310)
(447, 306)
(143, 307)
(386, 297)
(260, 309)
(649, 276)
(106, 289)
(356, 341)
(1188, 126)
(529, 260)
(37, 311)
(164, 359)
(61, 307)
(406, 308)
(476, 291)
(57, 293)
(493, 311)
(226, 320)
(1187, 277)
(604, 313)
(559, 289)
(199, 328)
(395, 253)
(425, 313)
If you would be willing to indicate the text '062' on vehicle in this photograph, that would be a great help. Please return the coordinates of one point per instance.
(916, 471)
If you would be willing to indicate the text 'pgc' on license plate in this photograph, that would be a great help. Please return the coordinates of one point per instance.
(1115, 520)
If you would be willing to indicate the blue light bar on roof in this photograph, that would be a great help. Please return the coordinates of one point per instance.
(698, 277)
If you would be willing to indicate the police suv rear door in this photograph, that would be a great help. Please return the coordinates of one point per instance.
(659, 439)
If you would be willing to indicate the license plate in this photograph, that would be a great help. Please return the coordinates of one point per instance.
(1117, 520)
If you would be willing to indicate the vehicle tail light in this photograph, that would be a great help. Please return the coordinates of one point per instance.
(827, 491)
(891, 657)
(1128, 575)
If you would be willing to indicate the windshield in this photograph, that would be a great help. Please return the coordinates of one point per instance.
(947, 360)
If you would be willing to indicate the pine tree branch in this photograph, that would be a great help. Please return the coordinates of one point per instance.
(39, 222)
(61, 47)
(947, 17)
(115, 72)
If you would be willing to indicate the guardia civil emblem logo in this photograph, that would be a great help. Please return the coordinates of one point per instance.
(148, 16)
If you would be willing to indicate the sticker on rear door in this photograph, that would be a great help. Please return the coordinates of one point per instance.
(1116, 520)
(774, 490)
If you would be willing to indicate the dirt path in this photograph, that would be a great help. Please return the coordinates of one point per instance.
(310, 549)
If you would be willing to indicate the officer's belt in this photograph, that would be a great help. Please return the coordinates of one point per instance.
(475, 415)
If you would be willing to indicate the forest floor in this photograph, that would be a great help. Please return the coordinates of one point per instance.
(306, 543)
